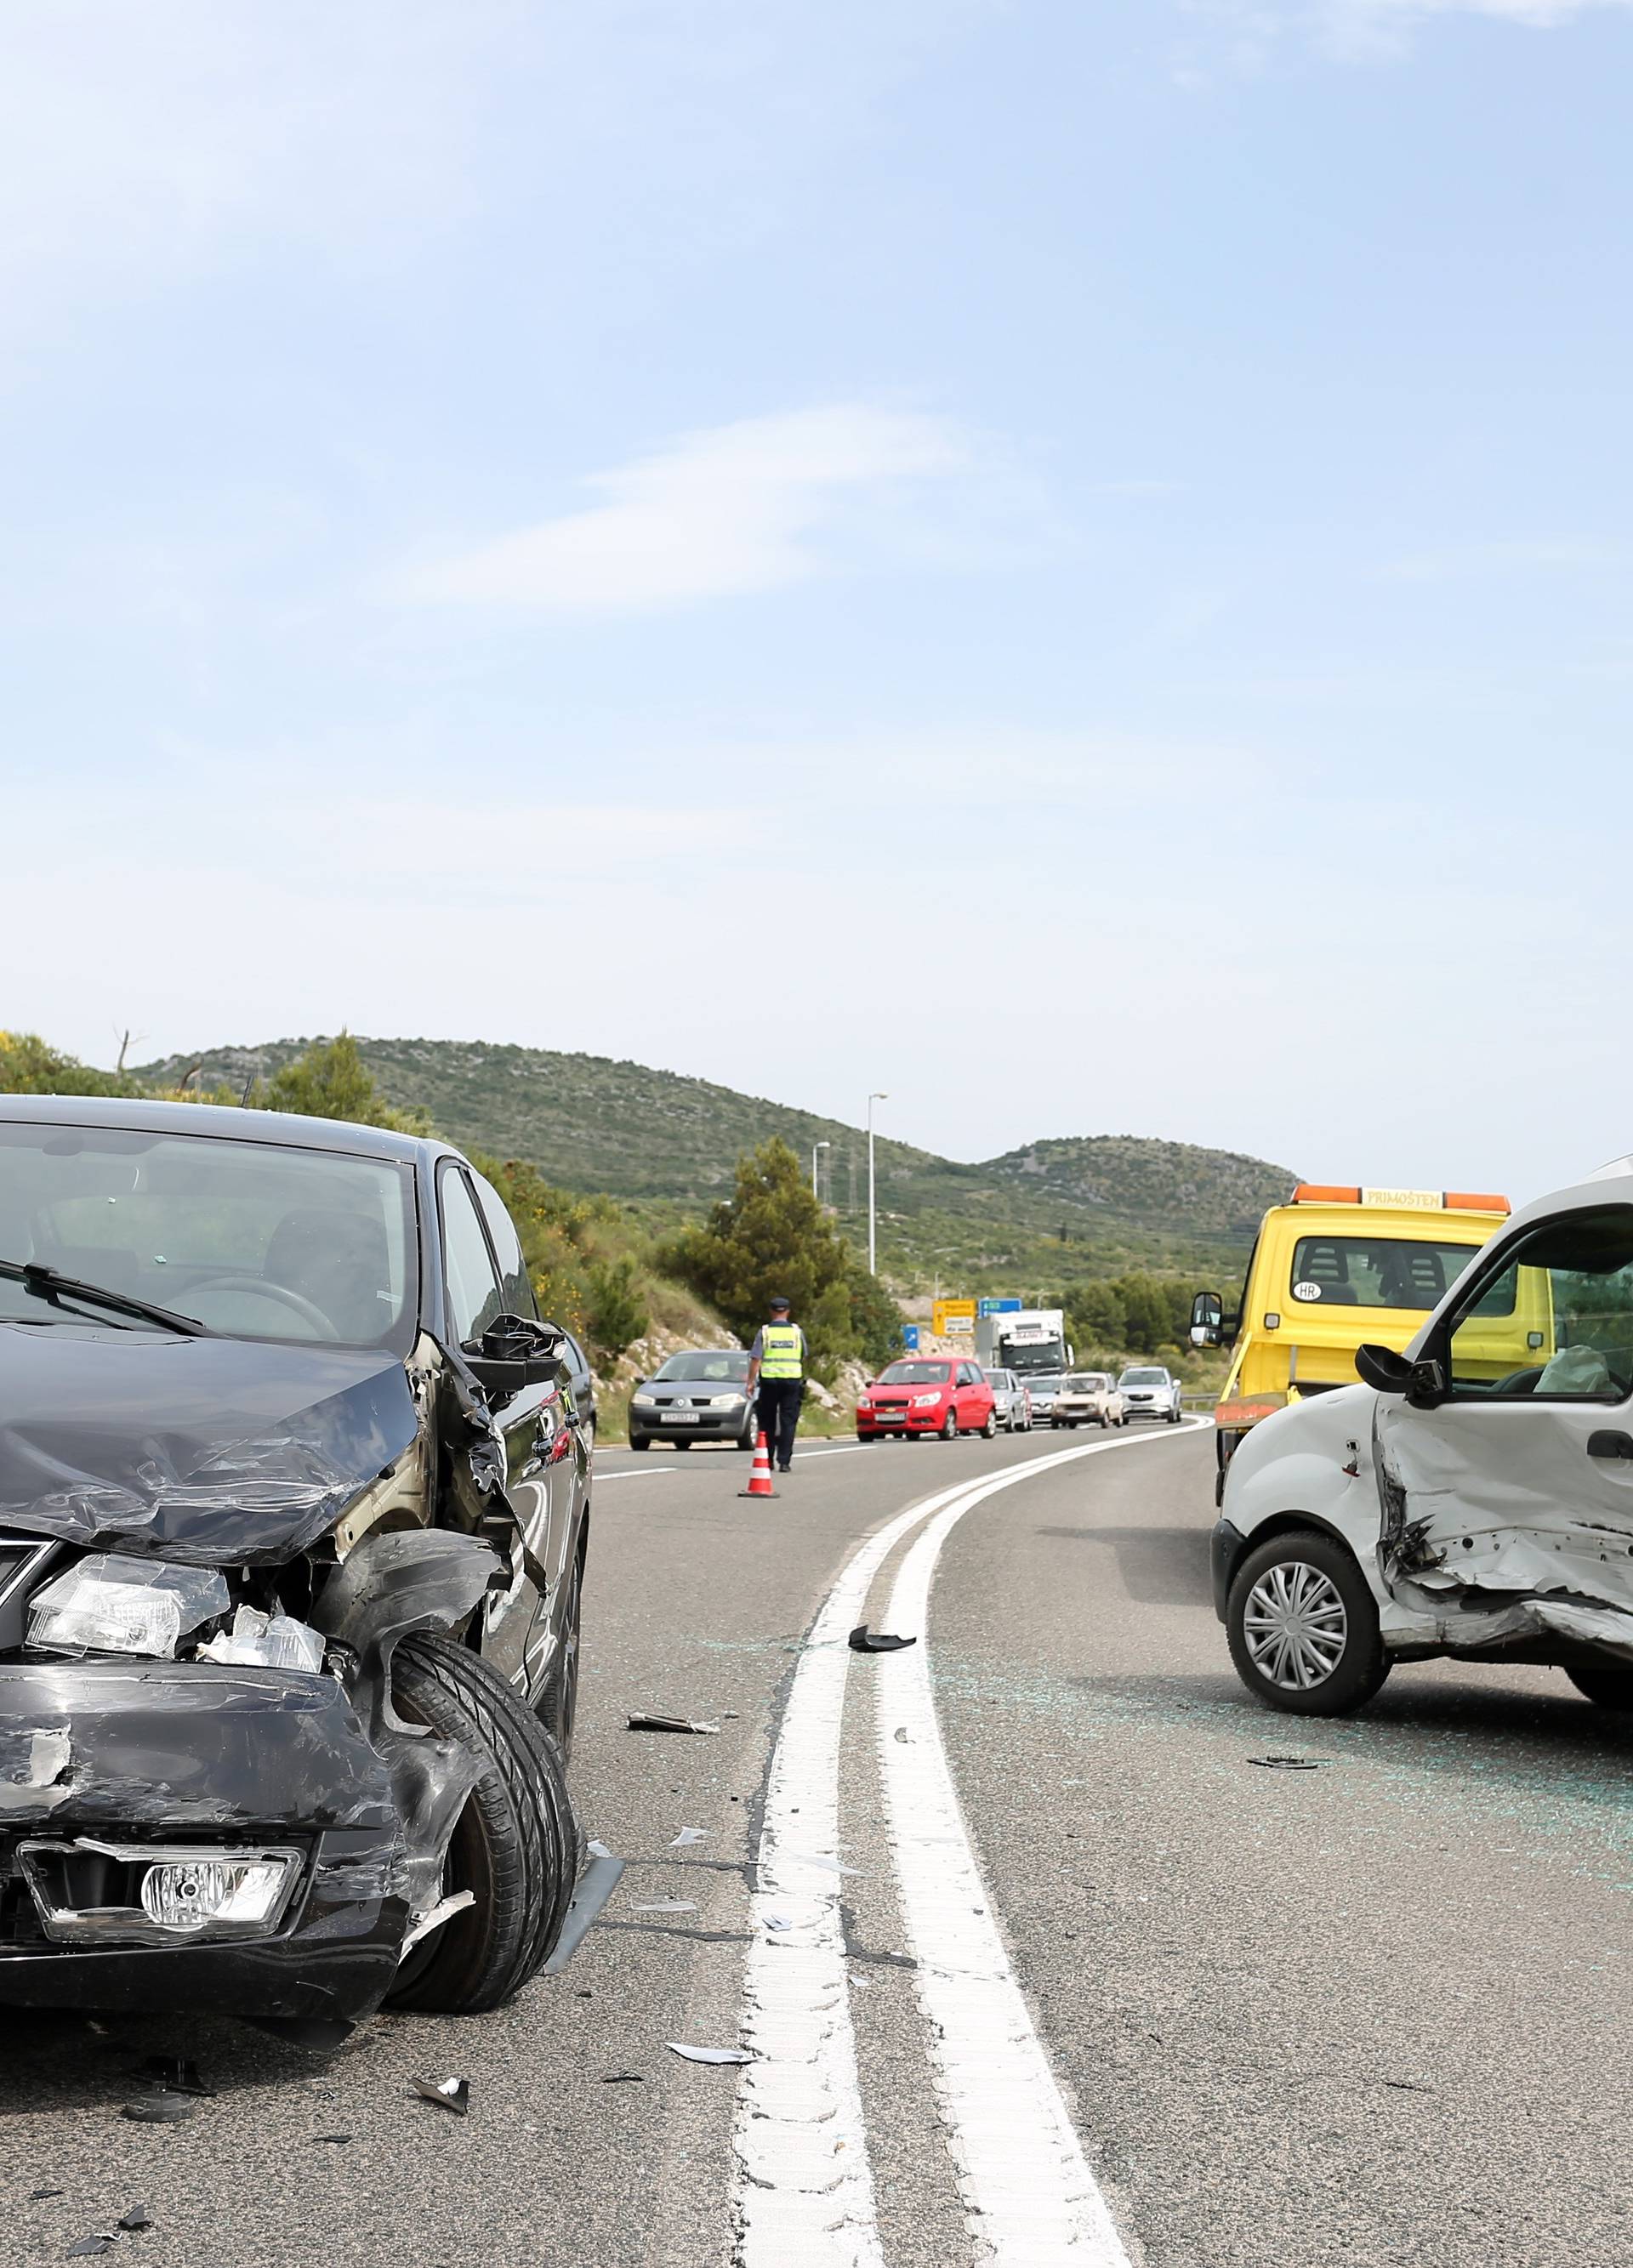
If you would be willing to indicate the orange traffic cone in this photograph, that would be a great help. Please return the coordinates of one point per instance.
(760, 1479)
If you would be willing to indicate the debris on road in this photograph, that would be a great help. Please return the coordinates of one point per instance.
(35, 2195)
(597, 1851)
(710, 2055)
(688, 1836)
(596, 1886)
(89, 2247)
(137, 2217)
(862, 1641)
(176, 2076)
(453, 2094)
(667, 1905)
(160, 2109)
(1290, 1763)
(643, 1723)
(331, 2138)
(623, 2079)
(902, 1734)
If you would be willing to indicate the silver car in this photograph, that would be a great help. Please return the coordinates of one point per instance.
(1012, 1405)
(1149, 1391)
(1040, 1393)
(699, 1395)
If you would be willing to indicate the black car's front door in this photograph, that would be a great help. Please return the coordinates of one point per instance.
(531, 1426)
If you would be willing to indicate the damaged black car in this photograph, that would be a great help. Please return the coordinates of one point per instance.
(295, 1506)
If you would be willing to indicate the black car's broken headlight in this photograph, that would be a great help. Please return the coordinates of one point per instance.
(111, 1602)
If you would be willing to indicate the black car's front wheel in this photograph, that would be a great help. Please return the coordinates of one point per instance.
(514, 1845)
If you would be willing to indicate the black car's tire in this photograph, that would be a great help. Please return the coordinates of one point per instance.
(1607, 1685)
(515, 1844)
(949, 1426)
(560, 1706)
(1302, 1627)
(640, 1440)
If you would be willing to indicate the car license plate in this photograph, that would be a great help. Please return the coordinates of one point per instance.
(680, 1418)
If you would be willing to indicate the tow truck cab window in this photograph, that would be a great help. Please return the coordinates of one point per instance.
(1375, 1271)
(474, 1295)
(1552, 1319)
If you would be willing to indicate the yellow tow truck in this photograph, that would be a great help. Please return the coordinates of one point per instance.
(1335, 1268)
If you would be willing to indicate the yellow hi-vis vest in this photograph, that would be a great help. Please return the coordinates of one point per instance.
(782, 1351)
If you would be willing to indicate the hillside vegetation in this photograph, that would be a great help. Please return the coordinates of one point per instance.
(1056, 1214)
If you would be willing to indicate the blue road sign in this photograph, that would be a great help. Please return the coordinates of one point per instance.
(909, 1335)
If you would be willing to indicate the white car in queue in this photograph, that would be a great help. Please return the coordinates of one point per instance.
(1472, 1498)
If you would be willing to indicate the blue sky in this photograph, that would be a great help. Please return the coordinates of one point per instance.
(1068, 562)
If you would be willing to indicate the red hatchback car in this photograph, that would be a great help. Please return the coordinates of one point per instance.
(927, 1393)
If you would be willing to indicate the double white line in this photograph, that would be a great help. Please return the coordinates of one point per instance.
(804, 2191)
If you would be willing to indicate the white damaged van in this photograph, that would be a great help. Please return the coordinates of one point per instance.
(1473, 1496)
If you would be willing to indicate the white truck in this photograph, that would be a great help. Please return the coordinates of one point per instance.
(1030, 1340)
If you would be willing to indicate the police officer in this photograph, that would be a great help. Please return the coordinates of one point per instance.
(776, 1366)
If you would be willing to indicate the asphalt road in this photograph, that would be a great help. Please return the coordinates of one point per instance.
(1373, 2010)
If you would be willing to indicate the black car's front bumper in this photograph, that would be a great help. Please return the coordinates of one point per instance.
(199, 1754)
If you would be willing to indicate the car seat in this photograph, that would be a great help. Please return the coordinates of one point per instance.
(1325, 1265)
(338, 1260)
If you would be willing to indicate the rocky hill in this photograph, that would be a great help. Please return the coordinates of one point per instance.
(1052, 1213)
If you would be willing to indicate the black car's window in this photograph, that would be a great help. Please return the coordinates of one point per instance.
(256, 1239)
(519, 1299)
(474, 1295)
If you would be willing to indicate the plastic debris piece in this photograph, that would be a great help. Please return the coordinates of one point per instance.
(597, 1850)
(138, 2217)
(331, 2138)
(863, 1640)
(435, 1918)
(642, 1722)
(667, 1905)
(453, 2094)
(778, 1922)
(688, 1836)
(710, 2055)
(1289, 1763)
(863, 1984)
(89, 2247)
(595, 1885)
(902, 1734)
(160, 2109)
(175, 2076)
(623, 2079)
(35, 2195)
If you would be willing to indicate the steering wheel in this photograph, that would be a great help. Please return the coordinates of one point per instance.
(280, 1293)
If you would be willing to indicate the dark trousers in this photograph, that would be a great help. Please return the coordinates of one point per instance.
(778, 1408)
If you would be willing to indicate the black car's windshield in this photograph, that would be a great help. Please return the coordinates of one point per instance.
(251, 1240)
(725, 1368)
(914, 1373)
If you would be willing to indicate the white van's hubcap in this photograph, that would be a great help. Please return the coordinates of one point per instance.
(1296, 1625)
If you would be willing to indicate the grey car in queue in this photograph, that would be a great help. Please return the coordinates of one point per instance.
(700, 1395)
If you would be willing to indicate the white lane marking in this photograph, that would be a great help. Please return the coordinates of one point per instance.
(1031, 2199)
(803, 2196)
(636, 1473)
(846, 1449)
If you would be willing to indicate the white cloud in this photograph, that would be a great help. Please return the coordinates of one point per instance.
(748, 506)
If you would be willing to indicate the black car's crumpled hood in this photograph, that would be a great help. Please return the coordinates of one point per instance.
(213, 1451)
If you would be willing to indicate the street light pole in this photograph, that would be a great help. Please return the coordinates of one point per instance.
(873, 1242)
(816, 1191)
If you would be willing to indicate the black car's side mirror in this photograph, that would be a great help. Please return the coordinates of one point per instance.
(1207, 1319)
(514, 1351)
(1422, 1382)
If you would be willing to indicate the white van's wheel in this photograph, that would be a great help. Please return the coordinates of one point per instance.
(1302, 1627)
